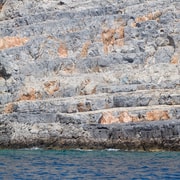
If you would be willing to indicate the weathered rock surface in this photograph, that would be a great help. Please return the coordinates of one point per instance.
(90, 74)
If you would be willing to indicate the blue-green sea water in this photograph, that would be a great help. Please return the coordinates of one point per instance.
(76, 164)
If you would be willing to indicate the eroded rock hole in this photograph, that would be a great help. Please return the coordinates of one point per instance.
(3, 73)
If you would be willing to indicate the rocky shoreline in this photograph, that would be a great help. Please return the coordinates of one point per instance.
(144, 136)
(90, 74)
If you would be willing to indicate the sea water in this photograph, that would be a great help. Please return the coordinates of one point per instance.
(40, 164)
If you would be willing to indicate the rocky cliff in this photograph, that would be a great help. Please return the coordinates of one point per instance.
(90, 74)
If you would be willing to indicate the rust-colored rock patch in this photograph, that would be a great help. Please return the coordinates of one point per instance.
(120, 31)
(84, 51)
(1, 6)
(108, 36)
(151, 16)
(9, 108)
(108, 39)
(31, 95)
(175, 59)
(83, 107)
(108, 118)
(157, 115)
(62, 50)
(51, 87)
(9, 42)
(111, 37)
(125, 117)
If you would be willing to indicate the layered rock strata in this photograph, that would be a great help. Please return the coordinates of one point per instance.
(90, 74)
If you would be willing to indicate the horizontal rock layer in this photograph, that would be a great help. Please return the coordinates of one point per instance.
(90, 74)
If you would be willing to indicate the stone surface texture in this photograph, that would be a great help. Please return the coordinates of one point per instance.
(90, 74)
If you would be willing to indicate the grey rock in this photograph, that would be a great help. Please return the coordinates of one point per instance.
(88, 63)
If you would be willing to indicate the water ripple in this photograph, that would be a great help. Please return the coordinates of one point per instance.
(78, 164)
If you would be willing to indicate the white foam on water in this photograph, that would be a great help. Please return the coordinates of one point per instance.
(110, 149)
(83, 149)
(33, 148)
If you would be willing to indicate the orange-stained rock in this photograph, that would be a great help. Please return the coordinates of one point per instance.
(157, 115)
(82, 107)
(151, 16)
(9, 42)
(133, 24)
(141, 19)
(63, 51)
(119, 42)
(109, 39)
(108, 118)
(31, 95)
(136, 119)
(9, 108)
(156, 15)
(120, 32)
(86, 87)
(124, 117)
(51, 87)
(84, 51)
(175, 59)
(94, 90)
(108, 36)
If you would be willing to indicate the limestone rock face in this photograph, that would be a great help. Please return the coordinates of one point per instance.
(90, 74)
